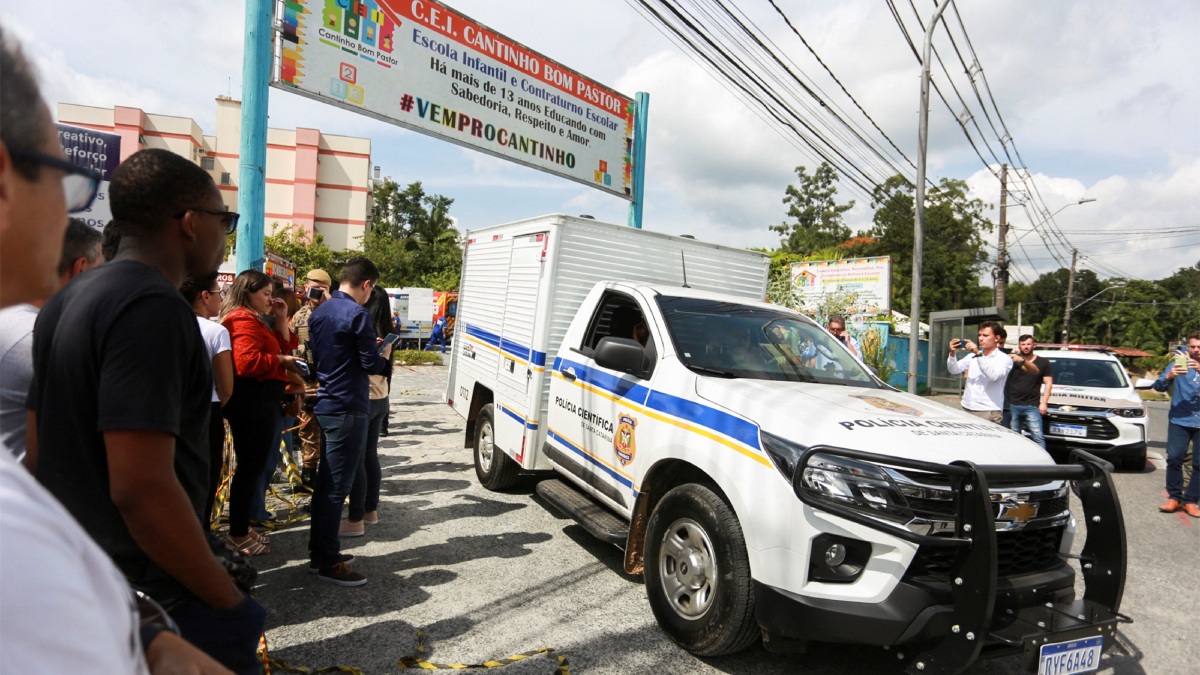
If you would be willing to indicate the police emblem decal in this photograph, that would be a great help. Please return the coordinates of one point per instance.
(625, 440)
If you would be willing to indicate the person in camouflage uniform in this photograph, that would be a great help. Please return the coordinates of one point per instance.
(316, 291)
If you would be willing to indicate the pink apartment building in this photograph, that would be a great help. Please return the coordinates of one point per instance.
(315, 182)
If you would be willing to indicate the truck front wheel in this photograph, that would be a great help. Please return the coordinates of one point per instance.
(697, 573)
(495, 470)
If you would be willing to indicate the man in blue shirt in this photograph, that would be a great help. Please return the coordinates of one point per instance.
(1183, 427)
(345, 351)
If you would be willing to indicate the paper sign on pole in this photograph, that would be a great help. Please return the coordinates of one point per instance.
(424, 66)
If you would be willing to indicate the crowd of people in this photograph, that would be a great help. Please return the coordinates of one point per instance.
(123, 361)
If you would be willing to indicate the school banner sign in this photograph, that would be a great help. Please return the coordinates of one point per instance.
(866, 283)
(423, 66)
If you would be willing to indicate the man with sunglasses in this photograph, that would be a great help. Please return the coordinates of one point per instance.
(131, 459)
(66, 607)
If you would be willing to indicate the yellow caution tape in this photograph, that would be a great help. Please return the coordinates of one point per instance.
(275, 665)
(416, 661)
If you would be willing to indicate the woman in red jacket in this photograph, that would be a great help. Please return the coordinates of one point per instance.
(260, 360)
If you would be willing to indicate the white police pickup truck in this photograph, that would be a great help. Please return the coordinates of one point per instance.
(765, 484)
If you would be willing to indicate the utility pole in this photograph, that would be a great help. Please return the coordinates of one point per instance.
(914, 321)
(1002, 254)
(1070, 297)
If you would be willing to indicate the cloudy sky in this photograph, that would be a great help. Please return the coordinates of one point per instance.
(1101, 100)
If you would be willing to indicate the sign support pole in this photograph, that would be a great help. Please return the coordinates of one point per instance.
(256, 76)
(640, 120)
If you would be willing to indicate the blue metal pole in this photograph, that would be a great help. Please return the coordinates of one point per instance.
(256, 76)
(640, 120)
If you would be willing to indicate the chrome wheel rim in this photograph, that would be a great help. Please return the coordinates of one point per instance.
(486, 447)
(687, 568)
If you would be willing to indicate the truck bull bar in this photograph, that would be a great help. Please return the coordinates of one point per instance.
(975, 631)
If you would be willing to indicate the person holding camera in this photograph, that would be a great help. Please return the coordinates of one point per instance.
(837, 327)
(986, 368)
(261, 361)
(1183, 427)
(316, 291)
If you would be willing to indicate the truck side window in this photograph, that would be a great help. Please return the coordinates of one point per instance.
(618, 315)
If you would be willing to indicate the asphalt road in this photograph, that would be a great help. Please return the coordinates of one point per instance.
(485, 576)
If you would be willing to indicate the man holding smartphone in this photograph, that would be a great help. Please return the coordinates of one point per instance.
(345, 351)
(1183, 427)
(986, 369)
(315, 292)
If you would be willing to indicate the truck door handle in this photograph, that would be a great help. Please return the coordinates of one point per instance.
(569, 374)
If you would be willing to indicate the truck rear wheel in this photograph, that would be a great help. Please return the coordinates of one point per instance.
(495, 470)
(697, 573)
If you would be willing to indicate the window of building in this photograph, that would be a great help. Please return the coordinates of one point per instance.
(225, 178)
(207, 163)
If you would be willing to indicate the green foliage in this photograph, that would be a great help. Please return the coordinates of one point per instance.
(953, 254)
(412, 238)
(816, 216)
(416, 357)
(305, 251)
(876, 353)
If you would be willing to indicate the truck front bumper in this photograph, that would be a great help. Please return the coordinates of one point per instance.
(913, 612)
(976, 613)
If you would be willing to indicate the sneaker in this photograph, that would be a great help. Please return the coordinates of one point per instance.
(344, 558)
(371, 517)
(341, 575)
(350, 528)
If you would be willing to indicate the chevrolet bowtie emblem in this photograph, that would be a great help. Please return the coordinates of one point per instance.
(1068, 408)
(1020, 512)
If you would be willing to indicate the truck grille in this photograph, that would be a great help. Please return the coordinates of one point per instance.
(1098, 428)
(938, 508)
(1019, 552)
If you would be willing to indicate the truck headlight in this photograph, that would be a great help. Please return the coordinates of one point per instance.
(859, 485)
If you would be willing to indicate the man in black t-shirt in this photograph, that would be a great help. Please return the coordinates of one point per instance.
(121, 396)
(1028, 389)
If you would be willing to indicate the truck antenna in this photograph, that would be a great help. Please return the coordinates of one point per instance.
(683, 261)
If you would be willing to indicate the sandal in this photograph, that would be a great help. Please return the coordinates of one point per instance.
(260, 537)
(247, 545)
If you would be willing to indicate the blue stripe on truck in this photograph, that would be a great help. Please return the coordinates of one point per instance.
(719, 421)
(505, 345)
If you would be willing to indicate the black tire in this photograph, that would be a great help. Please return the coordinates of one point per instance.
(710, 612)
(495, 470)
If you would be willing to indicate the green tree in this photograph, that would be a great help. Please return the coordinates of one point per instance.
(412, 238)
(816, 215)
(305, 251)
(953, 254)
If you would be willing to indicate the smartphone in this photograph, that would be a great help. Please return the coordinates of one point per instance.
(388, 341)
(316, 293)
(303, 368)
(1181, 360)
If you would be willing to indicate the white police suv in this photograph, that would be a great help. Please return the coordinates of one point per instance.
(1095, 407)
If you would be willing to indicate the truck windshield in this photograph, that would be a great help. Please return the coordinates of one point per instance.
(726, 339)
(1088, 372)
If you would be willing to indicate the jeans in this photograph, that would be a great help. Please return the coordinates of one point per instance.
(252, 412)
(1028, 418)
(1178, 437)
(364, 496)
(344, 442)
(230, 636)
(258, 504)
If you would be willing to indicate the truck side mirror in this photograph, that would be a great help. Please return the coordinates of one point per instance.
(623, 354)
(1143, 383)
